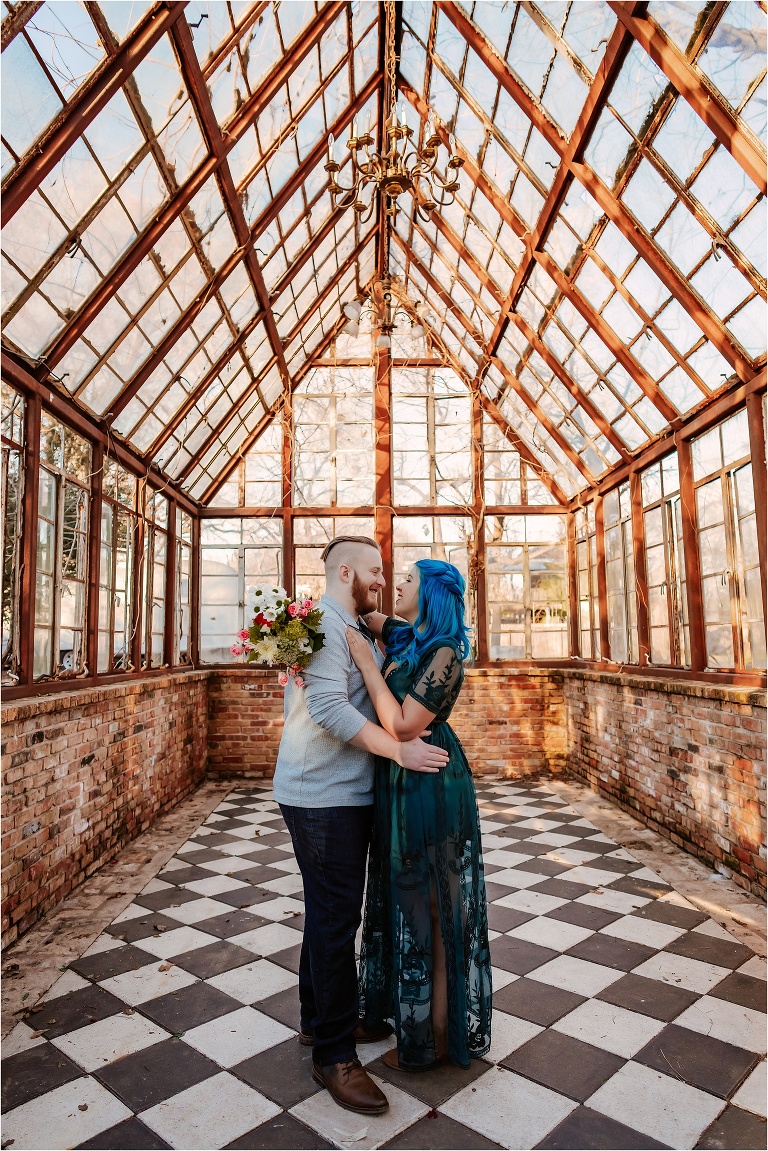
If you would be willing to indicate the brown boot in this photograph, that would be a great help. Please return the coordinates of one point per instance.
(361, 1034)
(351, 1087)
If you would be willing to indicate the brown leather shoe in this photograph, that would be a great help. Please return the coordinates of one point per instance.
(351, 1087)
(361, 1034)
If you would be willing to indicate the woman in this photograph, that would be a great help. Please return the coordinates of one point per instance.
(425, 960)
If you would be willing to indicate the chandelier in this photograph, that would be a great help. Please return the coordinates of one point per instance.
(402, 166)
(386, 309)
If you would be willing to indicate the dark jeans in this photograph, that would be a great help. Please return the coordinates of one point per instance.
(331, 846)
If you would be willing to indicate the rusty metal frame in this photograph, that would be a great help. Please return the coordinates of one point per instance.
(610, 66)
(170, 585)
(17, 19)
(193, 76)
(479, 576)
(755, 416)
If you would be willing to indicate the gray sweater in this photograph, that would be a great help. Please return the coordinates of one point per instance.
(316, 766)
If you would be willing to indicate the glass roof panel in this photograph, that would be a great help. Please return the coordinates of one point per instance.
(659, 225)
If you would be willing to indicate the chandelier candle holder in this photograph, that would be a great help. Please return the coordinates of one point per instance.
(403, 167)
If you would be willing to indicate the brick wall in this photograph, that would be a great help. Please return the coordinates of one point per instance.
(86, 772)
(509, 723)
(688, 759)
(245, 721)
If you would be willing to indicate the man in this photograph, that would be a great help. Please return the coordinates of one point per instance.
(324, 785)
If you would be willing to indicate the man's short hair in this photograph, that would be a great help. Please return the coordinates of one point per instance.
(349, 540)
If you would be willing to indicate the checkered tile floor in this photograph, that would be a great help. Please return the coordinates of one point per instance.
(623, 1017)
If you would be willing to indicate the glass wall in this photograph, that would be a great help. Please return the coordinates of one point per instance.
(620, 576)
(734, 628)
(431, 434)
(236, 556)
(586, 575)
(117, 555)
(182, 631)
(665, 563)
(310, 535)
(11, 494)
(514, 562)
(527, 587)
(62, 550)
(155, 559)
(333, 439)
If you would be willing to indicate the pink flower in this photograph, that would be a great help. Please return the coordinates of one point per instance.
(237, 649)
(298, 681)
(282, 679)
(243, 634)
(293, 610)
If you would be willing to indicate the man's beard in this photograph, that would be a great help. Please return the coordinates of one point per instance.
(363, 598)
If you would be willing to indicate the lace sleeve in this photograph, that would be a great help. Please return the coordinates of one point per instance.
(438, 680)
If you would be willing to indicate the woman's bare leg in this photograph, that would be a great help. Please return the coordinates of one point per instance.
(439, 984)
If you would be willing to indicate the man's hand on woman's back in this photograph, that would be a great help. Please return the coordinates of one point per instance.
(417, 755)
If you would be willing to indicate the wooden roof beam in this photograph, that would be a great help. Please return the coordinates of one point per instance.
(610, 66)
(519, 389)
(609, 338)
(227, 354)
(253, 438)
(17, 19)
(523, 450)
(471, 167)
(508, 431)
(511, 379)
(553, 363)
(702, 96)
(173, 208)
(587, 405)
(695, 424)
(678, 286)
(235, 407)
(195, 80)
(67, 128)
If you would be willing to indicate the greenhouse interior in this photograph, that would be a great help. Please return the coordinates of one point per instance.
(484, 281)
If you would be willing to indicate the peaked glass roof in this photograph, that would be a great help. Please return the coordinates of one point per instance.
(172, 256)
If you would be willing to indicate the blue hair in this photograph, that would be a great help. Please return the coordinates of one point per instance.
(440, 622)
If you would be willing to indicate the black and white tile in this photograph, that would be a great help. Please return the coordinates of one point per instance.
(623, 1016)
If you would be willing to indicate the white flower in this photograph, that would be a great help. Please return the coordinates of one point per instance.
(266, 650)
(269, 613)
(305, 645)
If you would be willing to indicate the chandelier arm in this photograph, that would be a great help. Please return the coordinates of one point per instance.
(344, 197)
(441, 180)
(425, 166)
(364, 217)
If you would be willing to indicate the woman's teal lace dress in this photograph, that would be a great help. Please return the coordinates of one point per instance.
(427, 837)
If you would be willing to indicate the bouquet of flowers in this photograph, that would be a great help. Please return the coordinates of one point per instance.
(282, 632)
